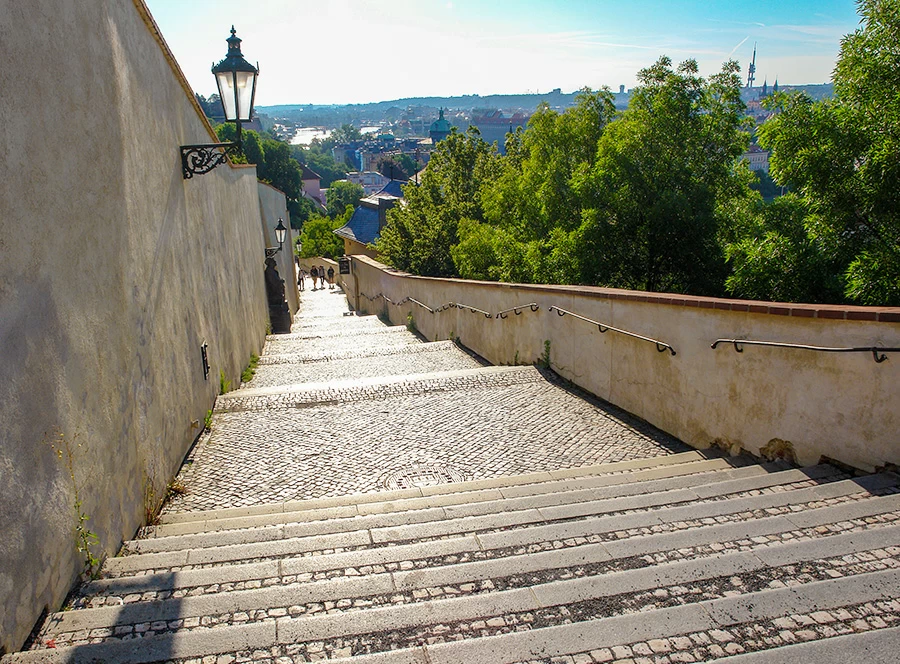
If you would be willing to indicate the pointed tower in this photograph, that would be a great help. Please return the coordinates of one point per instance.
(775, 87)
(765, 89)
(751, 72)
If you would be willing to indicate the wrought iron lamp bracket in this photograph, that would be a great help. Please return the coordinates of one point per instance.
(200, 159)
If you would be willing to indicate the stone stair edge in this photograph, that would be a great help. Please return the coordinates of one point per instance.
(877, 647)
(436, 490)
(337, 332)
(501, 649)
(552, 593)
(379, 381)
(688, 487)
(531, 533)
(396, 349)
(252, 528)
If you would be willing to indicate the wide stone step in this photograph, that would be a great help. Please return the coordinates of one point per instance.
(474, 503)
(879, 647)
(324, 341)
(395, 361)
(206, 519)
(498, 610)
(623, 535)
(352, 390)
(441, 507)
(552, 592)
(338, 332)
(304, 357)
(433, 522)
(328, 320)
(598, 570)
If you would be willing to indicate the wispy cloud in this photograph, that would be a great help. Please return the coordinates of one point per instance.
(739, 44)
(750, 23)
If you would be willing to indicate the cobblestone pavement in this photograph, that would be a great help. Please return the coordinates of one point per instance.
(398, 361)
(340, 438)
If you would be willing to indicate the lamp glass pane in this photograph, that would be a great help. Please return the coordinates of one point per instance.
(279, 235)
(245, 83)
(225, 81)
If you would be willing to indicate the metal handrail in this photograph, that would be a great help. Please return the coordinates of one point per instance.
(661, 346)
(424, 306)
(502, 314)
(443, 307)
(875, 350)
(474, 310)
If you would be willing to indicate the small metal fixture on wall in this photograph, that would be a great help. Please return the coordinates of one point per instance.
(280, 231)
(204, 355)
(236, 79)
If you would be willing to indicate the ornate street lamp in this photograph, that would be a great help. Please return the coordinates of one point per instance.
(280, 231)
(236, 79)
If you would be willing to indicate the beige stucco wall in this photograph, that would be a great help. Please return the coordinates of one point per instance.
(272, 207)
(843, 406)
(113, 271)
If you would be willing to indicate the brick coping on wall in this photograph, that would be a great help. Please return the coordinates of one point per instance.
(827, 311)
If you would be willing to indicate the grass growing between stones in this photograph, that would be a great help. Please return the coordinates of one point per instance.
(250, 371)
(86, 540)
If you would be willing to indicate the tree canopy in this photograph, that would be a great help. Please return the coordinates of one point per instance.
(317, 237)
(341, 194)
(841, 158)
(418, 236)
(658, 198)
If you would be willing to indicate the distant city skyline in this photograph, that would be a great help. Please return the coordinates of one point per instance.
(360, 51)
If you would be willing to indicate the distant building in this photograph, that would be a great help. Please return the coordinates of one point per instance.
(440, 128)
(312, 186)
(369, 217)
(495, 125)
(370, 181)
(757, 158)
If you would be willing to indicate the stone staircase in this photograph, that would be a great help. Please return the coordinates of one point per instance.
(678, 557)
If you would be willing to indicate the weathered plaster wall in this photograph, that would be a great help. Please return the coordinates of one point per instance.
(113, 271)
(272, 207)
(843, 406)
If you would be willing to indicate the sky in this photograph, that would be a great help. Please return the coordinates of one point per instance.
(360, 51)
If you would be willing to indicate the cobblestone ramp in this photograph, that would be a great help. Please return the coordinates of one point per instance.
(346, 404)
(681, 558)
(526, 523)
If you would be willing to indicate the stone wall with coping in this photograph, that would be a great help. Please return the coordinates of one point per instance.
(841, 405)
(113, 271)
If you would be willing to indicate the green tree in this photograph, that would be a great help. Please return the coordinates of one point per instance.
(419, 235)
(341, 194)
(396, 166)
(533, 201)
(345, 133)
(305, 209)
(320, 161)
(655, 195)
(280, 169)
(773, 256)
(840, 156)
(317, 237)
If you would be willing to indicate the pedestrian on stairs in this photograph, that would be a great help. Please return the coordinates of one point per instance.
(301, 279)
(330, 278)
(314, 273)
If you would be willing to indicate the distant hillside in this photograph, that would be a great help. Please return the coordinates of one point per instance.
(376, 112)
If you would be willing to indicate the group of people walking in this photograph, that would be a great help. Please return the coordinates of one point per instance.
(319, 276)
